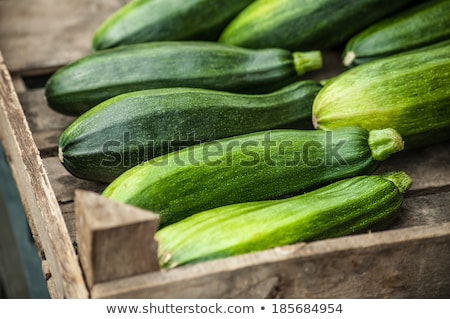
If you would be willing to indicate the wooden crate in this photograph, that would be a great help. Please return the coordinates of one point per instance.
(117, 252)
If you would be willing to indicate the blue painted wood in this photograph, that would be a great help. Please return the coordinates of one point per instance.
(20, 266)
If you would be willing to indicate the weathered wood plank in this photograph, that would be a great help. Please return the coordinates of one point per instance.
(19, 84)
(47, 142)
(40, 116)
(68, 212)
(428, 209)
(428, 167)
(65, 184)
(46, 34)
(45, 124)
(36, 192)
(403, 263)
(114, 240)
(51, 284)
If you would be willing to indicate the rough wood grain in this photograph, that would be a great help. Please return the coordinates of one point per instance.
(45, 124)
(65, 184)
(405, 263)
(114, 240)
(429, 167)
(51, 284)
(40, 117)
(428, 209)
(36, 192)
(19, 84)
(68, 212)
(46, 34)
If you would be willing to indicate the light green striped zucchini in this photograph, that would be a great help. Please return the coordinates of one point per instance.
(345, 207)
(409, 92)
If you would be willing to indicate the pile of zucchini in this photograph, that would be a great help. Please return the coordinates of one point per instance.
(202, 111)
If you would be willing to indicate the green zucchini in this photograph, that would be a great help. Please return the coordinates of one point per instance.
(305, 24)
(409, 92)
(417, 27)
(342, 208)
(250, 167)
(133, 127)
(166, 20)
(93, 79)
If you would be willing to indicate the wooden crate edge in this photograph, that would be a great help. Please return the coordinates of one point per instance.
(115, 240)
(263, 274)
(36, 192)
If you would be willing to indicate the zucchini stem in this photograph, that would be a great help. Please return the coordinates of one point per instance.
(307, 61)
(349, 58)
(400, 179)
(385, 142)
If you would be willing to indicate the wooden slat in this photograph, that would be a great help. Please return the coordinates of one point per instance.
(428, 167)
(45, 124)
(19, 84)
(36, 192)
(51, 284)
(65, 184)
(46, 34)
(428, 209)
(40, 117)
(68, 212)
(114, 240)
(404, 263)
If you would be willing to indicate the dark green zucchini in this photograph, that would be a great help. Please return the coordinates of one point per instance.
(133, 127)
(345, 207)
(250, 167)
(166, 20)
(305, 25)
(420, 26)
(409, 92)
(91, 80)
